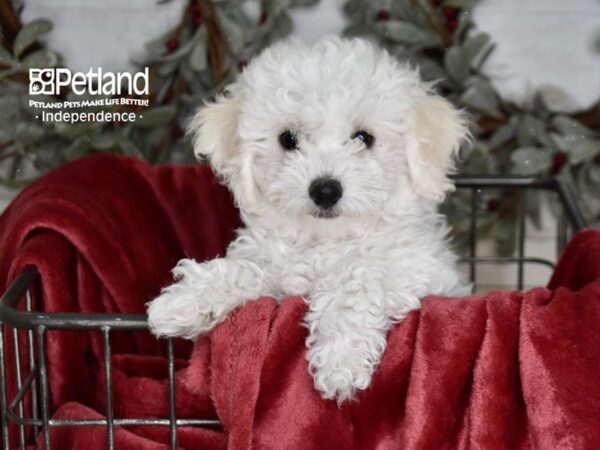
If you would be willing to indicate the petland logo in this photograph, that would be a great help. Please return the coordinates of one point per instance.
(107, 92)
(52, 81)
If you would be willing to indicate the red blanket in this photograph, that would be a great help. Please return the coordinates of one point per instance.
(503, 370)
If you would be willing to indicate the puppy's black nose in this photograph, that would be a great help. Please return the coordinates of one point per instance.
(325, 192)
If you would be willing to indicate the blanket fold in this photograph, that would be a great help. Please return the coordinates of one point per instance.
(502, 370)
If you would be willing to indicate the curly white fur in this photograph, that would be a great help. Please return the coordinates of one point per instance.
(363, 269)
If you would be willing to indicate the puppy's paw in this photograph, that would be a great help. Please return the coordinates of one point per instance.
(176, 313)
(347, 335)
(193, 305)
(338, 376)
(340, 384)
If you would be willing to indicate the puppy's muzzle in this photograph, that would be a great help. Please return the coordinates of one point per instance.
(325, 192)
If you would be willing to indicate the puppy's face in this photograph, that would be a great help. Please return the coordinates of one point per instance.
(330, 132)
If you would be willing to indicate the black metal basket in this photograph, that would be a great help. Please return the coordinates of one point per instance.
(34, 384)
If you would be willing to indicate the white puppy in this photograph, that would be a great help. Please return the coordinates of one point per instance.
(337, 155)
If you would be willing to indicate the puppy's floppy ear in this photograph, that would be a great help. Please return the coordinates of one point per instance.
(214, 131)
(439, 129)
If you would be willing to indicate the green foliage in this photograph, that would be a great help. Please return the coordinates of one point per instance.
(188, 64)
(30, 34)
(215, 39)
(521, 140)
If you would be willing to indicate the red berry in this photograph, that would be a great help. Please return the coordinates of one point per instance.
(560, 159)
(494, 204)
(196, 19)
(449, 12)
(597, 158)
(452, 24)
(172, 44)
(176, 132)
(263, 18)
(383, 15)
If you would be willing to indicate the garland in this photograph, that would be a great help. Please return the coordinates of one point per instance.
(189, 63)
(211, 44)
(439, 37)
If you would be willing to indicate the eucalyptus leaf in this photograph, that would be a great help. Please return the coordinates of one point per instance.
(282, 26)
(168, 68)
(502, 135)
(28, 133)
(236, 35)
(464, 24)
(539, 107)
(405, 10)
(567, 125)
(128, 147)
(506, 236)
(6, 57)
(583, 149)
(530, 161)
(595, 174)
(566, 176)
(561, 142)
(183, 50)
(355, 9)
(72, 131)
(40, 59)
(355, 31)
(456, 61)
(125, 131)
(276, 7)
(304, 3)
(406, 33)
(531, 130)
(481, 97)
(163, 89)
(474, 47)
(49, 158)
(198, 60)
(430, 70)
(462, 4)
(155, 117)
(15, 167)
(9, 108)
(103, 141)
(187, 73)
(29, 34)
(77, 148)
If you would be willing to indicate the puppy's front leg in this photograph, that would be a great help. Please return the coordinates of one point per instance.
(347, 332)
(203, 295)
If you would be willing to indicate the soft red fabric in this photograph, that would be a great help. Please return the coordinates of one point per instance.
(498, 371)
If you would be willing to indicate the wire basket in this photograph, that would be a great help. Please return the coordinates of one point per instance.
(34, 422)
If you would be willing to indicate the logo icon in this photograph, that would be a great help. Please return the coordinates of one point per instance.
(41, 82)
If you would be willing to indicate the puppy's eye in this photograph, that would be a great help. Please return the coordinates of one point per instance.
(288, 140)
(367, 138)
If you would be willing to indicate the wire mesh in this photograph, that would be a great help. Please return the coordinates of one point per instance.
(35, 386)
